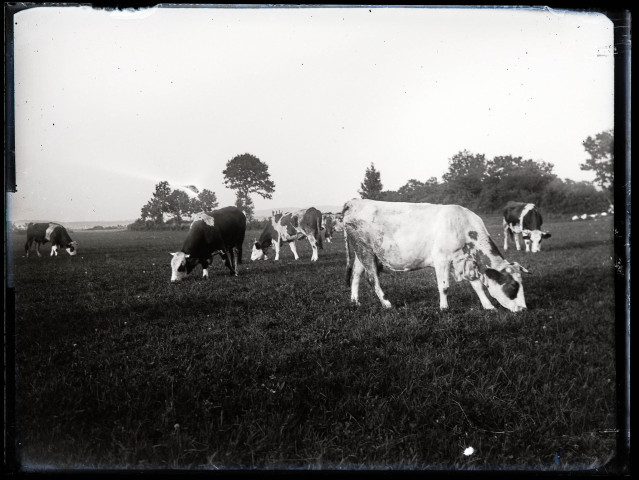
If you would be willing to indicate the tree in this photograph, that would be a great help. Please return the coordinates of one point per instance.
(601, 161)
(371, 187)
(247, 174)
(155, 208)
(465, 178)
(179, 205)
(206, 201)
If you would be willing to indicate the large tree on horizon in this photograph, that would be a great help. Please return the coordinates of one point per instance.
(247, 174)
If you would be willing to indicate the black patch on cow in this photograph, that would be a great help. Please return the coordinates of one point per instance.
(472, 234)
(445, 291)
(546, 235)
(482, 260)
(468, 247)
(509, 285)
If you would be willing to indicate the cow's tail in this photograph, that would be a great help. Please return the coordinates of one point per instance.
(320, 243)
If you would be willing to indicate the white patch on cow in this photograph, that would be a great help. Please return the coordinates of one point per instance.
(575, 217)
(584, 216)
(257, 253)
(526, 209)
(178, 261)
(54, 250)
(49, 231)
(204, 217)
(205, 273)
(603, 214)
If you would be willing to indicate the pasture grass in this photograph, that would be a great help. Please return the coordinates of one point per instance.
(117, 368)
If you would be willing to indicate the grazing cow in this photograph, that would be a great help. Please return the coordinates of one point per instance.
(525, 219)
(220, 233)
(288, 228)
(332, 223)
(41, 233)
(411, 236)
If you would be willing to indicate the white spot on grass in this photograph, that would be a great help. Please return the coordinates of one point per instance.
(469, 451)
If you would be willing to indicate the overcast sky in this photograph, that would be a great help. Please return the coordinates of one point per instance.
(108, 104)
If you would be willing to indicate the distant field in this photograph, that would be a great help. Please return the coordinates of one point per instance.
(118, 368)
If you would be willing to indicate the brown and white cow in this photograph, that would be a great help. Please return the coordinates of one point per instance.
(333, 222)
(525, 219)
(218, 233)
(410, 236)
(41, 233)
(288, 228)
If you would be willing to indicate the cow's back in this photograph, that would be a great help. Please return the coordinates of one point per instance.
(37, 231)
(231, 222)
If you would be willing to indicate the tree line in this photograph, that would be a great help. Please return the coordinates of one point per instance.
(481, 184)
(486, 185)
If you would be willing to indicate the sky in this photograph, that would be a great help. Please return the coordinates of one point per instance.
(110, 103)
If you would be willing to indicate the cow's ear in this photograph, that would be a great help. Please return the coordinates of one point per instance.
(520, 268)
(188, 255)
(494, 275)
(545, 235)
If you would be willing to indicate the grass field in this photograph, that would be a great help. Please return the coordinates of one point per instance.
(119, 368)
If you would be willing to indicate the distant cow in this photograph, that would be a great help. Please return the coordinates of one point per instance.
(332, 223)
(410, 236)
(525, 219)
(41, 233)
(219, 233)
(288, 228)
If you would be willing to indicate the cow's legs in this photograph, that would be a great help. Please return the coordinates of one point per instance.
(37, 248)
(54, 250)
(507, 233)
(370, 265)
(442, 273)
(277, 250)
(294, 249)
(230, 256)
(517, 242)
(479, 290)
(527, 243)
(313, 243)
(205, 269)
(358, 268)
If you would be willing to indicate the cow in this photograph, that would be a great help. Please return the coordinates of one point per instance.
(41, 233)
(332, 223)
(525, 219)
(218, 233)
(405, 236)
(288, 228)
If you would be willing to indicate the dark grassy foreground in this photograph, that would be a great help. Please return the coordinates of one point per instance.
(118, 368)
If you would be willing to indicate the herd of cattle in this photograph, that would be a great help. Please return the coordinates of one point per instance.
(393, 235)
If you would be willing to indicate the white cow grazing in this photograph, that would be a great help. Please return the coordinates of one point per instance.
(411, 236)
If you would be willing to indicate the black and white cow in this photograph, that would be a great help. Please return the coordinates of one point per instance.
(525, 219)
(288, 228)
(332, 223)
(41, 233)
(410, 236)
(219, 233)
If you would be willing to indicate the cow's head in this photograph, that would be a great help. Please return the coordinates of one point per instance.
(72, 248)
(259, 250)
(533, 238)
(506, 287)
(181, 266)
